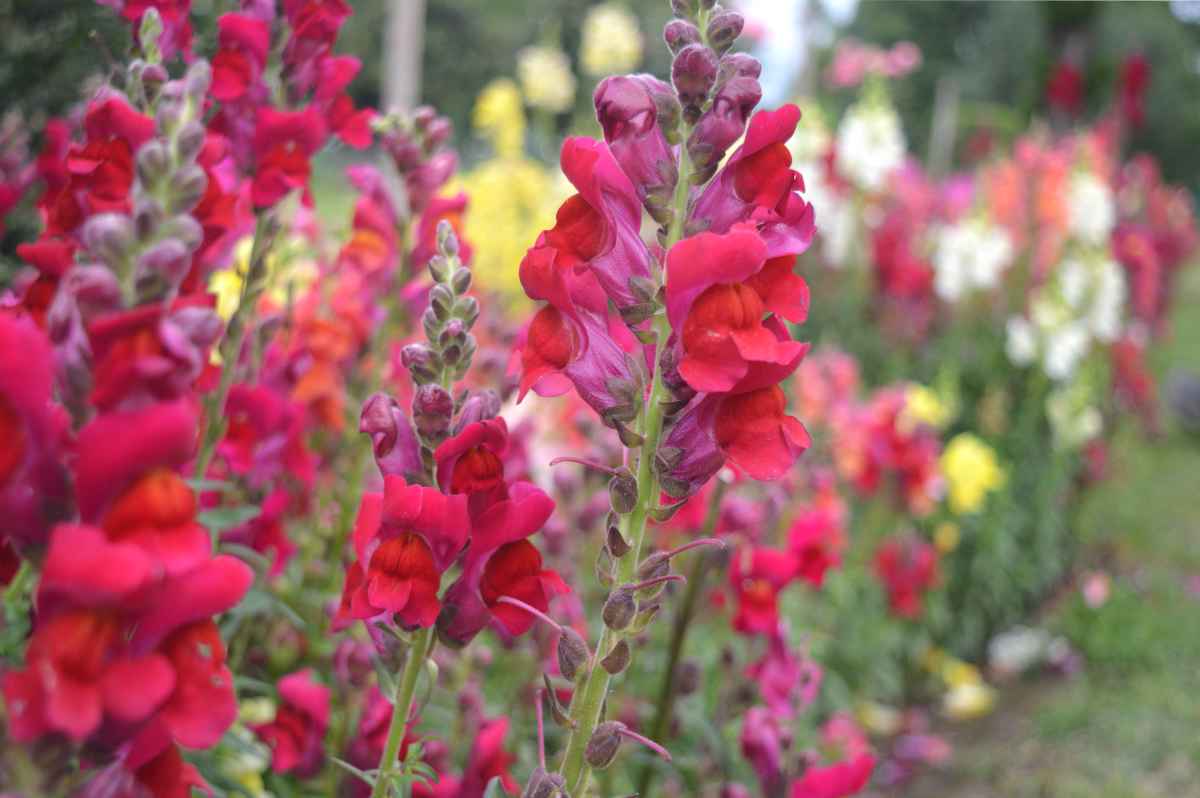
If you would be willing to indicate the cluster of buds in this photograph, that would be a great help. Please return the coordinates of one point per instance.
(716, 88)
(152, 252)
(418, 146)
(449, 348)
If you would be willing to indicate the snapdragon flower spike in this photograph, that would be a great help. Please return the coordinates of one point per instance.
(597, 230)
(640, 118)
(283, 142)
(719, 287)
(734, 97)
(33, 431)
(758, 185)
(243, 43)
(405, 539)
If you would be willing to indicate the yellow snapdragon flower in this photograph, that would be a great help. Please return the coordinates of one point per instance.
(971, 471)
(546, 78)
(922, 405)
(499, 116)
(612, 42)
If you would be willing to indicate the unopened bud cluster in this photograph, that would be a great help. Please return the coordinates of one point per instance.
(446, 354)
(717, 89)
(151, 252)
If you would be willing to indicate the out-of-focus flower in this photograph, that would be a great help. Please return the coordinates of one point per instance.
(1017, 650)
(969, 700)
(1091, 211)
(878, 718)
(499, 116)
(546, 78)
(923, 405)
(611, 42)
(870, 144)
(946, 537)
(971, 471)
(907, 567)
(1064, 90)
(1096, 589)
(970, 256)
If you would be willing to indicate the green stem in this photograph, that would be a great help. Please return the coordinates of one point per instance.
(588, 704)
(235, 337)
(414, 663)
(683, 619)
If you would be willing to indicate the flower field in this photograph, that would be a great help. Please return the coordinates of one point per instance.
(695, 445)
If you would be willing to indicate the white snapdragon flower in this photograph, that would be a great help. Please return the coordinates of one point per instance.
(1021, 343)
(1091, 211)
(611, 40)
(969, 256)
(870, 144)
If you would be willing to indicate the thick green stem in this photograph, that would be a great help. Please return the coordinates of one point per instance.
(669, 686)
(235, 337)
(401, 708)
(588, 704)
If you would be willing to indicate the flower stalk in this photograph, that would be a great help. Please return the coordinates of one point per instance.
(402, 704)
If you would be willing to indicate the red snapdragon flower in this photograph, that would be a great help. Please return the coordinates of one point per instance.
(816, 540)
(757, 575)
(488, 760)
(1135, 79)
(838, 780)
(283, 143)
(753, 430)
(1064, 89)
(718, 289)
(472, 463)
(33, 430)
(758, 185)
(906, 567)
(243, 44)
(51, 258)
(405, 539)
(787, 680)
(296, 735)
(352, 126)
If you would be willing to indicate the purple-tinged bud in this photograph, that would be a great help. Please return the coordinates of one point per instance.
(623, 492)
(95, 288)
(190, 331)
(186, 229)
(187, 188)
(461, 281)
(423, 116)
(467, 309)
(742, 65)
(108, 236)
(640, 115)
(687, 677)
(397, 451)
(154, 76)
(603, 746)
(721, 125)
(685, 9)
(481, 406)
(572, 653)
(707, 5)
(441, 301)
(190, 141)
(432, 411)
(693, 73)
(153, 162)
(148, 214)
(619, 608)
(723, 29)
(422, 362)
(615, 541)
(447, 241)
(168, 261)
(617, 660)
(679, 33)
(438, 132)
(197, 80)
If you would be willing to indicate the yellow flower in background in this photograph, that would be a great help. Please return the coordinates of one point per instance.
(968, 701)
(612, 42)
(546, 78)
(287, 272)
(878, 718)
(923, 406)
(499, 117)
(253, 711)
(946, 537)
(971, 471)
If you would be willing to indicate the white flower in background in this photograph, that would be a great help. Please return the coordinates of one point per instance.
(1021, 343)
(546, 78)
(1091, 211)
(1066, 346)
(612, 42)
(870, 144)
(970, 256)
(1107, 302)
(1073, 418)
(809, 144)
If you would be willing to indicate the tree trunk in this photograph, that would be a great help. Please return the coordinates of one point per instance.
(403, 42)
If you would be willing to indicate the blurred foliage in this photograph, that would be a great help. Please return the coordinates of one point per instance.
(1001, 55)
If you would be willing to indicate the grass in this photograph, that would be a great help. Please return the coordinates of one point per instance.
(1128, 726)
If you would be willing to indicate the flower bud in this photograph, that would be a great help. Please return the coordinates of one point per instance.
(572, 653)
(623, 492)
(187, 188)
(168, 259)
(197, 80)
(432, 409)
(684, 9)
(153, 162)
(679, 33)
(483, 405)
(544, 785)
(643, 618)
(616, 543)
(693, 73)
(441, 300)
(467, 309)
(620, 608)
(657, 564)
(741, 65)
(190, 141)
(461, 281)
(617, 660)
(108, 236)
(422, 362)
(723, 29)
(603, 746)
(447, 242)
(186, 229)
(687, 677)
(392, 438)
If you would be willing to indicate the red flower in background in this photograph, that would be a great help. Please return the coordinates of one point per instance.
(283, 143)
(757, 575)
(753, 430)
(907, 567)
(816, 541)
(1064, 89)
(1135, 79)
(243, 45)
(297, 734)
(838, 780)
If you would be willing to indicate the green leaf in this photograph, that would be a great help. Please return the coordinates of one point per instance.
(494, 790)
(368, 777)
(255, 559)
(201, 485)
